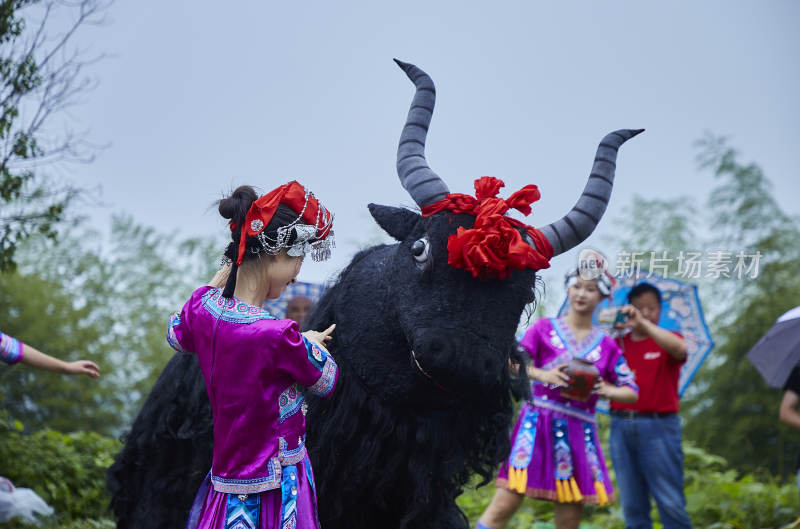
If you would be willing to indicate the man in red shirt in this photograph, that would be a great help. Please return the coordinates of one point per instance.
(646, 435)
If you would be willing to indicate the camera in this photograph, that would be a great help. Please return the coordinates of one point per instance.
(612, 316)
(621, 317)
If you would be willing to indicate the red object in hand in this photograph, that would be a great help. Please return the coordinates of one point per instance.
(583, 376)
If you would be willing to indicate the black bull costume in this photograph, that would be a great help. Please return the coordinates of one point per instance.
(425, 330)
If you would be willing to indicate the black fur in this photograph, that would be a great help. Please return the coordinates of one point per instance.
(167, 452)
(394, 447)
(397, 222)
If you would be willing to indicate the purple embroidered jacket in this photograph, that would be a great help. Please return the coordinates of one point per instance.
(551, 343)
(256, 369)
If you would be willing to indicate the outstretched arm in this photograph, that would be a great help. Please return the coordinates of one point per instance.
(13, 351)
(35, 358)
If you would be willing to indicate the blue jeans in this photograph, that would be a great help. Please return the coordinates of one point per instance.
(648, 459)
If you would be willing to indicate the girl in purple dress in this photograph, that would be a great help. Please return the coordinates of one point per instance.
(258, 368)
(555, 453)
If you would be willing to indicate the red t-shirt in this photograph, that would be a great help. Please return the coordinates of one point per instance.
(657, 374)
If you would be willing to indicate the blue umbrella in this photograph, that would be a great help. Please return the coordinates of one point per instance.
(680, 311)
(277, 307)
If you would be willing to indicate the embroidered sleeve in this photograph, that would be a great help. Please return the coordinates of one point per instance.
(178, 335)
(10, 349)
(308, 364)
(623, 376)
(330, 371)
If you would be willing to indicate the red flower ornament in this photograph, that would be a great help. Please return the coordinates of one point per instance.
(494, 246)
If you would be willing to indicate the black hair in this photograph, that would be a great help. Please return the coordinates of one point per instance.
(235, 208)
(644, 288)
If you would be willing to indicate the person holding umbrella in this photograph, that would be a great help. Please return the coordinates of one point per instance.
(646, 435)
(776, 354)
(788, 410)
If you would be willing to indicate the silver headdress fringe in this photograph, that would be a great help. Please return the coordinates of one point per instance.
(306, 236)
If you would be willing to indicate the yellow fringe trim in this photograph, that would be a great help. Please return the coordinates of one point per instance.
(602, 495)
(518, 479)
(550, 494)
(576, 492)
(564, 491)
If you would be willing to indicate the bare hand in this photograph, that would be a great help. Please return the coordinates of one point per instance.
(221, 277)
(82, 367)
(555, 377)
(320, 338)
(603, 389)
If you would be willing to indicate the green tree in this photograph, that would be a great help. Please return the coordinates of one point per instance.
(67, 470)
(734, 413)
(729, 410)
(107, 299)
(649, 227)
(41, 75)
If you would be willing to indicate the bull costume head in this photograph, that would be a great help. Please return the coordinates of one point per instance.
(425, 330)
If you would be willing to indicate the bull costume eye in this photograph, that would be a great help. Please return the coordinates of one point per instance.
(421, 250)
(528, 240)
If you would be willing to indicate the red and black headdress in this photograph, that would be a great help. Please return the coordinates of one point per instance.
(311, 232)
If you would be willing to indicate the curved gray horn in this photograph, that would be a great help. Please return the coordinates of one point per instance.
(580, 222)
(424, 186)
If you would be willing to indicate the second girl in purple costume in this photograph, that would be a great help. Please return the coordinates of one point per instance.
(556, 454)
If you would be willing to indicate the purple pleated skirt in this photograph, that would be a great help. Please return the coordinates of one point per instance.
(585, 456)
(292, 506)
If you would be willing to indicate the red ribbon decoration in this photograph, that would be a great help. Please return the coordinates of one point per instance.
(293, 195)
(493, 247)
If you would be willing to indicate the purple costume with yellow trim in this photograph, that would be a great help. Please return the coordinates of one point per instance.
(256, 369)
(555, 452)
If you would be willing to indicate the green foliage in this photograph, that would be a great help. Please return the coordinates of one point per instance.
(729, 409)
(733, 413)
(102, 298)
(41, 312)
(39, 77)
(717, 498)
(649, 224)
(66, 470)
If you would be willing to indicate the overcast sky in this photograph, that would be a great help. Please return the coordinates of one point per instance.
(198, 97)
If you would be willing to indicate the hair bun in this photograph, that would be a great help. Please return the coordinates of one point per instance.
(236, 206)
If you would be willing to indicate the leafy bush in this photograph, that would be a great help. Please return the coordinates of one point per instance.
(66, 470)
(717, 498)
